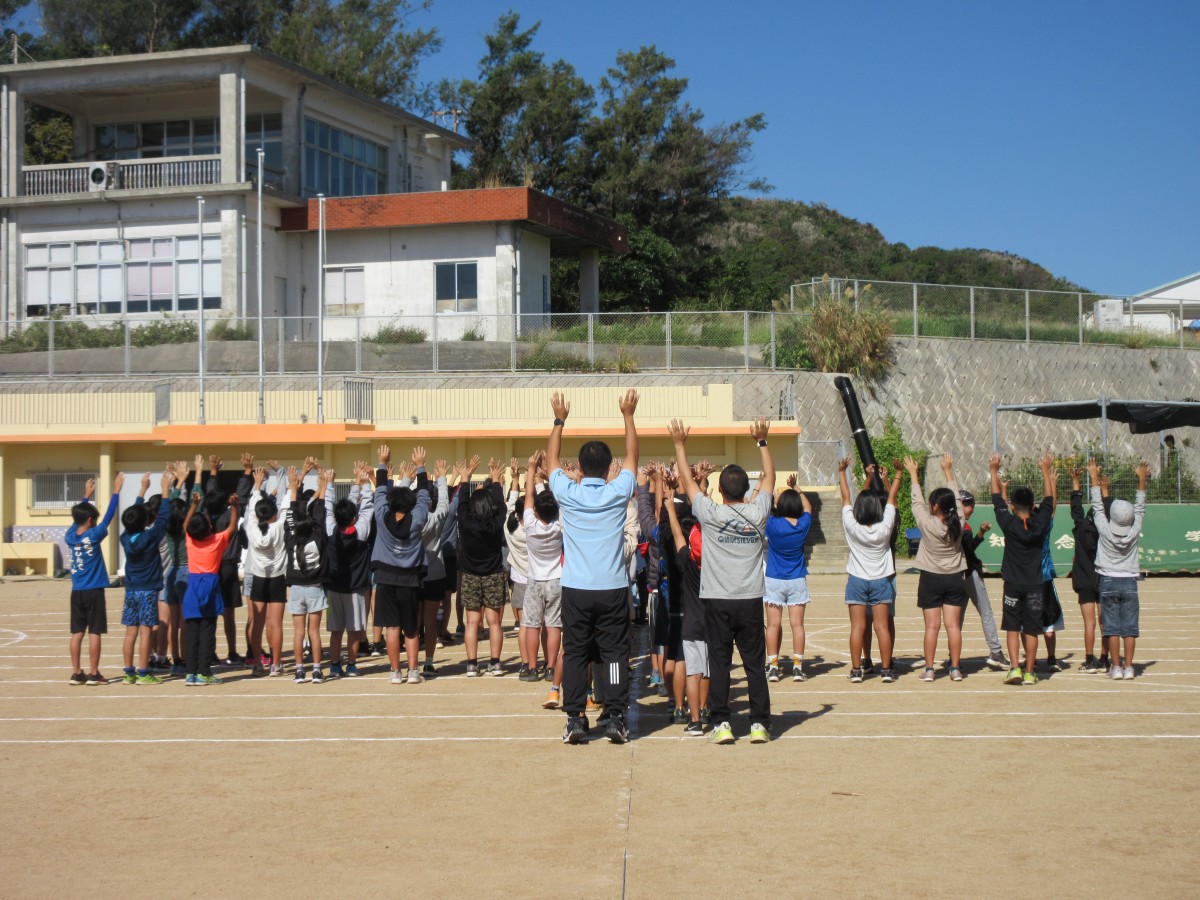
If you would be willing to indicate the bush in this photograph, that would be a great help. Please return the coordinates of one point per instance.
(837, 338)
(167, 331)
(474, 333)
(791, 348)
(392, 333)
(542, 358)
(225, 330)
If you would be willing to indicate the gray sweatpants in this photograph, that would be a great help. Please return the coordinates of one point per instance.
(979, 596)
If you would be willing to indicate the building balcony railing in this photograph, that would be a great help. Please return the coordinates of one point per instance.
(132, 174)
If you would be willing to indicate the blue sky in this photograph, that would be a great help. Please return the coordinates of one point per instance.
(1067, 132)
(1064, 131)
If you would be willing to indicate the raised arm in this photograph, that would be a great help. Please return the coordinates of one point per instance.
(673, 518)
(1049, 477)
(628, 405)
(758, 430)
(233, 517)
(843, 484)
(196, 496)
(994, 472)
(894, 489)
(531, 481)
(562, 409)
(679, 436)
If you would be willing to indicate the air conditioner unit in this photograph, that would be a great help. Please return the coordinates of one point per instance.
(98, 177)
(1108, 315)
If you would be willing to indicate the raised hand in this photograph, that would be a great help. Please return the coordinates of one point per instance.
(1046, 463)
(679, 432)
(329, 475)
(947, 464)
(418, 457)
(994, 462)
(628, 403)
(910, 466)
(439, 469)
(1093, 468)
(759, 428)
(89, 489)
(385, 454)
(118, 482)
(843, 464)
(260, 475)
(473, 465)
(310, 463)
(145, 483)
(985, 528)
(199, 464)
(214, 463)
(561, 407)
(294, 478)
(247, 462)
(495, 469)
(791, 482)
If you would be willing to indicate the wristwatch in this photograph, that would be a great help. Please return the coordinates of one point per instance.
(559, 422)
(762, 443)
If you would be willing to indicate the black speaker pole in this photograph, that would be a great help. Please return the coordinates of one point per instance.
(858, 428)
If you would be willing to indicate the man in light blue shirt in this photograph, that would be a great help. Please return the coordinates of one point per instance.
(595, 580)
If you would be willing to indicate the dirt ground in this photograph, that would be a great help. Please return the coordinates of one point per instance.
(1077, 786)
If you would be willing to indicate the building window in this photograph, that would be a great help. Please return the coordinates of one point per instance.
(154, 140)
(265, 130)
(340, 164)
(456, 286)
(141, 275)
(59, 490)
(345, 292)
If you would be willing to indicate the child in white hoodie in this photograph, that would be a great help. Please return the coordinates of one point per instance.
(1117, 565)
(266, 563)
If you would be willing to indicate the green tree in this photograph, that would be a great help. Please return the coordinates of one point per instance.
(73, 28)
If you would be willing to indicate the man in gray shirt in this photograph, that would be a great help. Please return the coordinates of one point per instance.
(731, 580)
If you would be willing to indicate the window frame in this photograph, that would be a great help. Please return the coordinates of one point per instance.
(458, 297)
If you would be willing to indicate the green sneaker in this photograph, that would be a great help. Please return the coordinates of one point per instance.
(1014, 676)
(759, 734)
(722, 734)
(208, 679)
(1029, 678)
(149, 679)
(129, 678)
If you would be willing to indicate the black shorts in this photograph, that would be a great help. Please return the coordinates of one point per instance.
(1087, 595)
(231, 586)
(433, 590)
(935, 590)
(88, 612)
(269, 590)
(660, 617)
(1051, 609)
(398, 606)
(675, 639)
(450, 560)
(1023, 607)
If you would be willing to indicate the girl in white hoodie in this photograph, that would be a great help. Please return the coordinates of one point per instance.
(266, 562)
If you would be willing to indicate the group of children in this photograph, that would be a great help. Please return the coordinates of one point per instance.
(707, 565)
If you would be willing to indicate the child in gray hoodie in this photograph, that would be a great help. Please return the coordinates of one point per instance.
(1117, 565)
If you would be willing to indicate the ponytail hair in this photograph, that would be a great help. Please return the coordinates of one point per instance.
(943, 499)
(265, 510)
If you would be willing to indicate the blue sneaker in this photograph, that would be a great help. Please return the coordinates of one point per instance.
(335, 671)
(192, 679)
(351, 671)
(177, 670)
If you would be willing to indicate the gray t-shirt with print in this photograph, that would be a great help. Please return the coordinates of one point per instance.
(731, 564)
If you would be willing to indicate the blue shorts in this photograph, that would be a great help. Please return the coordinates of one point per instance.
(870, 592)
(787, 592)
(141, 608)
(1118, 607)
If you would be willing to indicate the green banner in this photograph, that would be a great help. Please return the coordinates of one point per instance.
(1170, 539)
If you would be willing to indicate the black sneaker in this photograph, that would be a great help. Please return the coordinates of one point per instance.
(544, 672)
(77, 679)
(887, 676)
(856, 676)
(234, 660)
(576, 730)
(694, 729)
(661, 689)
(616, 731)
(1089, 666)
(527, 674)
(868, 667)
(603, 719)
(428, 671)
(523, 670)
(705, 716)
(160, 664)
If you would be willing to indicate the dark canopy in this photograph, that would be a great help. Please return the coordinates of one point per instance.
(1142, 416)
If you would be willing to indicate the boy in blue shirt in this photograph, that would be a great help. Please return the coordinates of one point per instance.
(89, 578)
(143, 578)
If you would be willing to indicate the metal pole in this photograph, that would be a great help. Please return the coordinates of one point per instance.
(995, 431)
(321, 309)
(668, 339)
(1027, 315)
(791, 299)
(1104, 425)
(128, 366)
(914, 309)
(1080, 320)
(258, 259)
(591, 339)
(358, 345)
(772, 340)
(746, 338)
(435, 341)
(856, 295)
(1180, 323)
(200, 301)
(972, 313)
(50, 347)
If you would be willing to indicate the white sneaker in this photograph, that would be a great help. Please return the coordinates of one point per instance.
(415, 676)
(397, 678)
(496, 669)
(1127, 673)
(1116, 673)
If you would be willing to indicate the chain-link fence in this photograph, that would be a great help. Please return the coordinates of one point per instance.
(1010, 314)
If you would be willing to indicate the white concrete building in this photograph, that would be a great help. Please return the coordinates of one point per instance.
(1177, 302)
(165, 150)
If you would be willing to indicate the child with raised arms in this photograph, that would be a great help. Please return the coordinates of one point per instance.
(143, 578)
(89, 578)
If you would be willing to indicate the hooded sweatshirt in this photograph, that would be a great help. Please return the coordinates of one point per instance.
(399, 555)
(431, 531)
(143, 561)
(1117, 552)
(348, 552)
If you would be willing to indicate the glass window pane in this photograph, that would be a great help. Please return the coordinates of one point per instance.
(186, 248)
(212, 246)
(467, 278)
(37, 255)
(324, 185)
(272, 126)
(335, 289)
(87, 284)
(61, 253)
(360, 149)
(212, 302)
(87, 252)
(162, 279)
(323, 136)
(310, 170)
(126, 137)
(356, 290)
(188, 278)
(62, 287)
(360, 180)
(37, 287)
(137, 282)
(110, 283)
(310, 131)
(444, 282)
(106, 137)
(112, 250)
(153, 134)
(140, 249)
(212, 280)
(178, 133)
(164, 248)
(273, 158)
(204, 131)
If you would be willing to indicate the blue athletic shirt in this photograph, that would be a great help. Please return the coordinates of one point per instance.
(593, 516)
(88, 571)
(785, 547)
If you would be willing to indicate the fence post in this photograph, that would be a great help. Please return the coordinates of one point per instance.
(358, 345)
(280, 323)
(1027, 315)
(128, 366)
(668, 340)
(50, 348)
(1181, 330)
(591, 339)
(434, 335)
(914, 309)
(1080, 319)
(972, 313)
(512, 348)
(746, 339)
(856, 295)
(772, 340)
